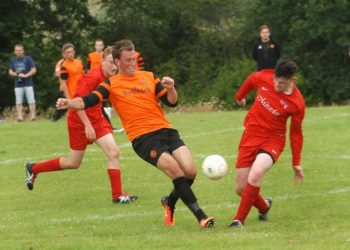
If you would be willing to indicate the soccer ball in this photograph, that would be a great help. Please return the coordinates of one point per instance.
(214, 167)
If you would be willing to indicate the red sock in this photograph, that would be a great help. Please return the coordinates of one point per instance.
(260, 204)
(116, 182)
(248, 199)
(47, 166)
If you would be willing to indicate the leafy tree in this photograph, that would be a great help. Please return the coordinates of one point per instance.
(316, 34)
(189, 40)
(42, 26)
(205, 45)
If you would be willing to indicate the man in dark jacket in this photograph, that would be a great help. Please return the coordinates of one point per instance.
(266, 51)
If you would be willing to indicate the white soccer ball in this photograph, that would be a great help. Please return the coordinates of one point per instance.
(214, 167)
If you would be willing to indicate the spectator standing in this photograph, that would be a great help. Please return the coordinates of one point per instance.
(266, 50)
(22, 67)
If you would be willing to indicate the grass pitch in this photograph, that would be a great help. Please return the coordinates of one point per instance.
(72, 209)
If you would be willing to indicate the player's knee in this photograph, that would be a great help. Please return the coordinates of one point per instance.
(69, 163)
(191, 176)
(174, 170)
(254, 179)
(114, 153)
(239, 190)
(191, 173)
(74, 164)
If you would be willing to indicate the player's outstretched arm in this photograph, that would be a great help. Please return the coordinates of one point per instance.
(76, 103)
(248, 86)
(298, 174)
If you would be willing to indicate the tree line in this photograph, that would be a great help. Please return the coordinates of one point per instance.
(205, 45)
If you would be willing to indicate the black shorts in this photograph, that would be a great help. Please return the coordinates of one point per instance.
(150, 146)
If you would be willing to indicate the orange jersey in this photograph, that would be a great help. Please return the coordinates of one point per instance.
(71, 71)
(95, 59)
(136, 101)
(139, 61)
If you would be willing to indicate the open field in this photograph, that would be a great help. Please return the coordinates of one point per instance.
(73, 209)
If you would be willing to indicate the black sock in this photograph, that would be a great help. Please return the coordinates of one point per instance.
(186, 194)
(173, 196)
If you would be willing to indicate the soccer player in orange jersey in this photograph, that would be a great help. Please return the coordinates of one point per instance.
(140, 65)
(135, 95)
(85, 127)
(71, 70)
(264, 138)
(59, 113)
(94, 58)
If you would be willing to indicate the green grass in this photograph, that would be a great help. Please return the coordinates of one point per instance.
(73, 209)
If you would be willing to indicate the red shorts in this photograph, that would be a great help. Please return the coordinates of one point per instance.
(252, 144)
(77, 136)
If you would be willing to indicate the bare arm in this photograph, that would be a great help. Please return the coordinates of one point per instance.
(31, 72)
(64, 87)
(12, 73)
(21, 75)
(65, 103)
(248, 86)
(87, 101)
(296, 141)
(89, 130)
(169, 84)
(298, 174)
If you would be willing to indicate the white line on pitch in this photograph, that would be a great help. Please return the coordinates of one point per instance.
(223, 205)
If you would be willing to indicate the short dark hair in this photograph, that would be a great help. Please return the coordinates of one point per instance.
(67, 46)
(120, 46)
(285, 68)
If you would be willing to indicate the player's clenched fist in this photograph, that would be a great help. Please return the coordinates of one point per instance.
(62, 103)
(167, 82)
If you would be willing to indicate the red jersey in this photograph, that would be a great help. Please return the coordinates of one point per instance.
(271, 109)
(86, 84)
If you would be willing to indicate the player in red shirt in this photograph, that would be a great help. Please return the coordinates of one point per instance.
(135, 96)
(94, 60)
(264, 137)
(85, 127)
